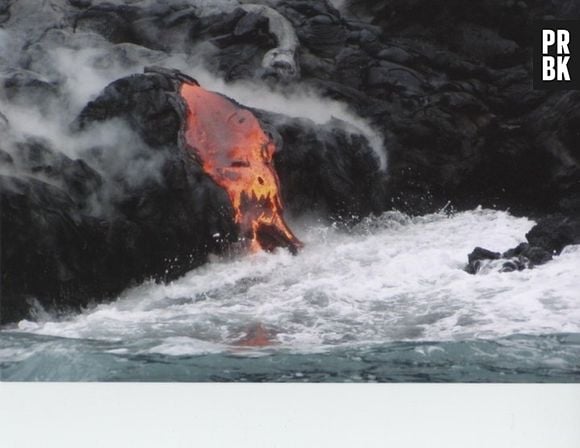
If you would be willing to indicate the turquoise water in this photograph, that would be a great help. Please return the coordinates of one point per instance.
(553, 358)
(386, 302)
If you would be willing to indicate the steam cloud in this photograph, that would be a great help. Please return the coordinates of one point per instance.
(71, 68)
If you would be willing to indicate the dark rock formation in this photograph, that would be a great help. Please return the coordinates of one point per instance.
(447, 83)
(58, 251)
(478, 255)
(546, 239)
(553, 233)
(76, 231)
(327, 169)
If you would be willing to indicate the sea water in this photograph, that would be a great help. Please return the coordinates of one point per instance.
(386, 301)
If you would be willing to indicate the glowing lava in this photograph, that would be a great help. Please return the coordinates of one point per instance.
(235, 151)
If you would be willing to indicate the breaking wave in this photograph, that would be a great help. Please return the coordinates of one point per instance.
(393, 279)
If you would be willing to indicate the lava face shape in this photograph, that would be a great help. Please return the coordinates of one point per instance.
(237, 154)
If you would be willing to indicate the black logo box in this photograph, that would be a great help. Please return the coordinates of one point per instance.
(573, 27)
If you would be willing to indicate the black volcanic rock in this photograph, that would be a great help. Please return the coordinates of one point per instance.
(447, 84)
(59, 253)
(546, 239)
(326, 169)
(79, 231)
(479, 254)
(553, 233)
(148, 103)
(476, 258)
(461, 120)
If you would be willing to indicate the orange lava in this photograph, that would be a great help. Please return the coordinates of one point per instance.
(257, 337)
(235, 151)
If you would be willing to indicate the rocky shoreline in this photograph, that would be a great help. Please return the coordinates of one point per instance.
(444, 85)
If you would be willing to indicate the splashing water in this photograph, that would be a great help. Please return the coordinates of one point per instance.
(388, 301)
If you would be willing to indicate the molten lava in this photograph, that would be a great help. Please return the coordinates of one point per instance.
(237, 154)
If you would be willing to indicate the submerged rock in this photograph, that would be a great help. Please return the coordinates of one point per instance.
(476, 257)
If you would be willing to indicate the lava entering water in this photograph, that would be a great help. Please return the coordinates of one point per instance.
(236, 152)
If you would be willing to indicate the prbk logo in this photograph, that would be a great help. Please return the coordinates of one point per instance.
(557, 55)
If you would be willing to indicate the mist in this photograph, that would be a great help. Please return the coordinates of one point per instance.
(84, 72)
(54, 73)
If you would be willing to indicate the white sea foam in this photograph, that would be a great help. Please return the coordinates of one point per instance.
(393, 278)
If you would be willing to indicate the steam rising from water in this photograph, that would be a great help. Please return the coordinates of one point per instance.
(393, 278)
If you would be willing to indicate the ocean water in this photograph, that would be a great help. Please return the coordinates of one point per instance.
(386, 301)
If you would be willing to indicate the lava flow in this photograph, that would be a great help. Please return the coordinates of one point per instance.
(237, 154)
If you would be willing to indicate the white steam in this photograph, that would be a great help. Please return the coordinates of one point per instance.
(4, 40)
(341, 5)
(81, 64)
(85, 72)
